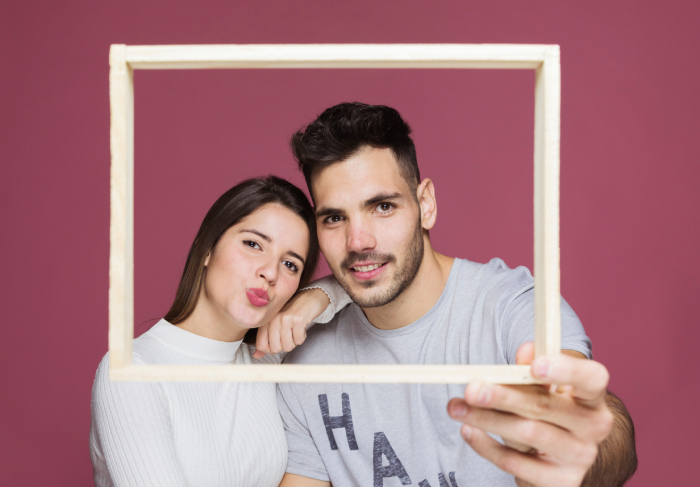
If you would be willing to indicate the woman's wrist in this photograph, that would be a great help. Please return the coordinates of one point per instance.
(312, 302)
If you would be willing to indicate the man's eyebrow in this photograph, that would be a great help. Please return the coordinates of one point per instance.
(382, 197)
(327, 211)
(261, 235)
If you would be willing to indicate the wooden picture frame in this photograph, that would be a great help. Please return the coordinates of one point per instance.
(544, 59)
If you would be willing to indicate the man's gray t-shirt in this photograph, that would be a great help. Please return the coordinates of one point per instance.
(400, 434)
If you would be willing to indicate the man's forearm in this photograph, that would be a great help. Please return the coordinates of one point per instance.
(617, 457)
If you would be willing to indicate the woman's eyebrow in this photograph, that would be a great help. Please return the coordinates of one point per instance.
(297, 256)
(261, 235)
(265, 237)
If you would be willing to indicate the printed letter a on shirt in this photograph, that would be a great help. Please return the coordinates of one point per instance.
(382, 447)
(334, 422)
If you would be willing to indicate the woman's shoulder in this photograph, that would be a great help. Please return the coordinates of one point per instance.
(145, 352)
(106, 392)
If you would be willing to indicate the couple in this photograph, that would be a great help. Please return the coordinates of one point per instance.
(259, 244)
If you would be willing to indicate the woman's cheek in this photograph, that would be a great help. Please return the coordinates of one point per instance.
(290, 287)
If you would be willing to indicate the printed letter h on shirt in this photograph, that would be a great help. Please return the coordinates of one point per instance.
(334, 422)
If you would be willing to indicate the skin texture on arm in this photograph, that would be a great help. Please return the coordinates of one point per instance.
(292, 480)
(552, 437)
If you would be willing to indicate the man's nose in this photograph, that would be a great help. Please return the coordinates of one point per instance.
(360, 237)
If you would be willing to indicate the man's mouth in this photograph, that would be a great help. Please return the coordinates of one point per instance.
(367, 271)
(366, 268)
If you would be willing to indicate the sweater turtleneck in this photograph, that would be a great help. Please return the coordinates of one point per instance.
(192, 345)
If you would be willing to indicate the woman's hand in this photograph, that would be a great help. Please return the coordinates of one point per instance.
(288, 329)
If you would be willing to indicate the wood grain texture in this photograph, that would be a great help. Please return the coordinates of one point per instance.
(399, 374)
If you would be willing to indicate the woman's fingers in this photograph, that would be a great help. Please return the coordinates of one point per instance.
(286, 335)
(274, 337)
(287, 330)
(299, 332)
(262, 343)
(283, 333)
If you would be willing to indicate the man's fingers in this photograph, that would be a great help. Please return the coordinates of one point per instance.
(587, 378)
(530, 468)
(544, 437)
(531, 402)
(525, 354)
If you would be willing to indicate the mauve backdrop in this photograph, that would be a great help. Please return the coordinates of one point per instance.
(630, 181)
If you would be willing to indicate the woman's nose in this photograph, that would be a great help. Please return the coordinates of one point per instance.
(269, 271)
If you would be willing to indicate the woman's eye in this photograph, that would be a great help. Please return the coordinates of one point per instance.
(252, 244)
(291, 266)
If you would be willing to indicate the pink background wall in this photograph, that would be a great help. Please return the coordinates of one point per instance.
(630, 181)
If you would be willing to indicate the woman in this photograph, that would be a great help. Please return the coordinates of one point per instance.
(256, 246)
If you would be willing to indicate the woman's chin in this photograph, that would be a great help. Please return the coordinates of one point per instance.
(250, 320)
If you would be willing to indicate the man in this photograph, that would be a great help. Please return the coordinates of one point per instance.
(412, 304)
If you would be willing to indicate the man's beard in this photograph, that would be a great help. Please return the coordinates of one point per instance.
(402, 278)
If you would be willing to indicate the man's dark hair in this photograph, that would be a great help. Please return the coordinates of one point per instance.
(341, 130)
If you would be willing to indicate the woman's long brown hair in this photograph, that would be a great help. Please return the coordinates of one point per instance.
(233, 206)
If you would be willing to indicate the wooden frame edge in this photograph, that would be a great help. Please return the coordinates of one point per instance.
(547, 258)
(121, 228)
(240, 56)
(545, 59)
(380, 373)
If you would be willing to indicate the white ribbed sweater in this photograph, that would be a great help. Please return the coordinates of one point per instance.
(186, 433)
(148, 434)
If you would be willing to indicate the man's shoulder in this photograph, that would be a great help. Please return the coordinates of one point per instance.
(320, 346)
(493, 275)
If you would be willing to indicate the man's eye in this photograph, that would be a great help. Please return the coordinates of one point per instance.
(384, 207)
(334, 219)
(252, 244)
(291, 266)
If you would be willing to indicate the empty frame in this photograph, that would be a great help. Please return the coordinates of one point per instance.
(544, 59)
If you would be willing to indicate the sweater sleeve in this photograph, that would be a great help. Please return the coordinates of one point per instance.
(339, 298)
(131, 439)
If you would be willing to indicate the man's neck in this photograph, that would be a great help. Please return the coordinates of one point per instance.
(418, 298)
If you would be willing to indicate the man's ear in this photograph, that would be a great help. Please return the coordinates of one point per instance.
(426, 201)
